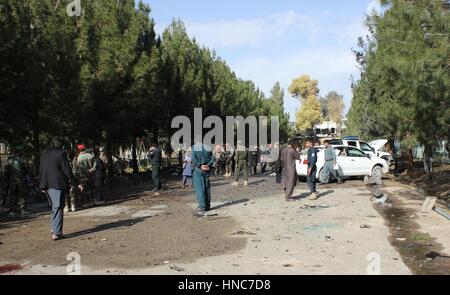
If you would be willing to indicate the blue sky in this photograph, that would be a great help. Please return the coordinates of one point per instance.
(277, 40)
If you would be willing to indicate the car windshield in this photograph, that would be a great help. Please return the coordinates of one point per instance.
(336, 142)
(356, 153)
(365, 147)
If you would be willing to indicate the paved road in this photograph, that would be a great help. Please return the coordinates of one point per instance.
(254, 232)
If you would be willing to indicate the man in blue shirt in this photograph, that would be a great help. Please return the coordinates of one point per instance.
(312, 169)
(202, 162)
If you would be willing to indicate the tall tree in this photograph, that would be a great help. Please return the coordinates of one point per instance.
(404, 86)
(303, 87)
(335, 106)
(307, 91)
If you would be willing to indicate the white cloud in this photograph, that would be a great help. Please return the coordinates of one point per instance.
(333, 69)
(374, 7)
(282, 26)
(324, 43)
(252, 31)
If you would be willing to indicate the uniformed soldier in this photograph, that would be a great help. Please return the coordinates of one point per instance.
(71, 197)
(229, 159)
(155, 159)
(16, 182)
(312, 169)
(202, 161)
(330, 162)
(82, 171)
(241, 158)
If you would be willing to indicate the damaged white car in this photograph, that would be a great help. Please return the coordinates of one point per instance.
(351, 162)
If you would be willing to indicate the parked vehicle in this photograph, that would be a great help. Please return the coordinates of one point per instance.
(355, 142)
(351, 161)
(380, 149)
(374, 148)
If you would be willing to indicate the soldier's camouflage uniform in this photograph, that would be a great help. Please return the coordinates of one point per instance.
(15, 181)
(81, 169)
(71, 198)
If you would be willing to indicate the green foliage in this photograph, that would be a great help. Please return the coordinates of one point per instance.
(404, 88)
(106, 77)
(303, 87)
(332, 107)
(307, 91)
(309, 114)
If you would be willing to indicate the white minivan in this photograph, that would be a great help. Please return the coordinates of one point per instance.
(351, 162)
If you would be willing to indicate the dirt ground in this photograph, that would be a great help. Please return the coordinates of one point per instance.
(253, 232)
(439, 186)
(141, 231)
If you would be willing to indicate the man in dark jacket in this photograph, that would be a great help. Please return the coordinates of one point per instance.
(155, 159)
(55, 176)
(99, 173)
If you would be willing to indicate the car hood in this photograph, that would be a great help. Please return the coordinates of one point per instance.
(378, 144)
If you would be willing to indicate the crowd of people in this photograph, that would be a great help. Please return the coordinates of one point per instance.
(75, 180)
(83, 166)
(230, 161)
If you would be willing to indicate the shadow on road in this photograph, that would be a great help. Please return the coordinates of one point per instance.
(256, 182)
(107, 226)
(324, 194)
(230, 204)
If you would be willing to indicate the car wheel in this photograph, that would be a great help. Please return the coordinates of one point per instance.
(377, 174)
(324, 178)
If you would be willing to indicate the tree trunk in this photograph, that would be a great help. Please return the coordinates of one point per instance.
(410, 159)
(109, 156)
(134, 163)
(428, 162)
(36, 149)
(155, 134)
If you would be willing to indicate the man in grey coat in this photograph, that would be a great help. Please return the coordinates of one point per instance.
(289, 173)
(330, 162)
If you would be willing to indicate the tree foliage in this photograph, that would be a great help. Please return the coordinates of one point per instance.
(106, 78)
(404, 89)
(307, 91)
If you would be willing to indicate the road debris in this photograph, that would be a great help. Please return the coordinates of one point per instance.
(365, 226)
(176, 268)
(428, 205)
(243, 232)
(442, 212)
(379, 198)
